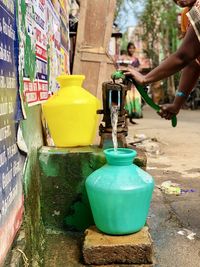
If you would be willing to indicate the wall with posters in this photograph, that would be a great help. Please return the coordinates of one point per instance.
(11, 198)
(43, 46)
(42, 54)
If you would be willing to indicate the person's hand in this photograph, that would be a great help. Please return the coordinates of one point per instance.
(167, 111)
(130, 71)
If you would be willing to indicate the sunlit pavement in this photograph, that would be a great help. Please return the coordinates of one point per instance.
(175, 156)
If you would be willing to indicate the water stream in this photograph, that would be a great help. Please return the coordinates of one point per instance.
(114, 119)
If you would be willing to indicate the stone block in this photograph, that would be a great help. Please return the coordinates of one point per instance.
(102, 249)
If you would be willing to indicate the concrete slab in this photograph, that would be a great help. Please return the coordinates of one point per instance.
(100, 248)
(63, 250)
(63, 172)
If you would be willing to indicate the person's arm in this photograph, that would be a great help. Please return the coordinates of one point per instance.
(187, 52)
(188, 80)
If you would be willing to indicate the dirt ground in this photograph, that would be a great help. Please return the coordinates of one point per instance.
(180, 146)
(173, 154)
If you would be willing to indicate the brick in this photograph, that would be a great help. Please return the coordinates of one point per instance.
(102, 249)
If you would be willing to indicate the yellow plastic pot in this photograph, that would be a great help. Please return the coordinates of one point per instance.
(71, 113)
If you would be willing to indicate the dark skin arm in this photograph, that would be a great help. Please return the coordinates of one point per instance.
(183, 58)
(188, 80)
(187, 52)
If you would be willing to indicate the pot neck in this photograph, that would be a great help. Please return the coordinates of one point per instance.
(121, 157)
(70, 80)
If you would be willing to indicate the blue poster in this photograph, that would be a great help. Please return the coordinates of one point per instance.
(10, 166)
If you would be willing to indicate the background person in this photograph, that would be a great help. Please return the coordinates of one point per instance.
(183, 59)
(133, 98)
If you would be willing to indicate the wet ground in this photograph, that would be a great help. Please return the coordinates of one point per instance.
(173, 154)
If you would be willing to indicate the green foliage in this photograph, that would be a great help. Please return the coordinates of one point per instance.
(124, 41)
(119, 4)
(160, 29)
(159, 23)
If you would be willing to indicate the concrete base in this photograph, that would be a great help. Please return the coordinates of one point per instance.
(63, 172)
(101, 249)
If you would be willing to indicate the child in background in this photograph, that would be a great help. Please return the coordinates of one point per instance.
(133, 98)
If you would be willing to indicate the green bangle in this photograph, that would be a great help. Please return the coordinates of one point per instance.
(180, 93)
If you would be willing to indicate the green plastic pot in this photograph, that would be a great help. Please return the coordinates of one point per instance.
(120, 193)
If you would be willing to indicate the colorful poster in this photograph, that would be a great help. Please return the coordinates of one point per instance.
(56, 6)
(33, 65)
(64, 28)
(11, 198)
(54, 44)
(44, 45)
(41, 50)
(64, 61)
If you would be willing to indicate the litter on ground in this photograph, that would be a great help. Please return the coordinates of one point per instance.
(188, 233)
(170, 188)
